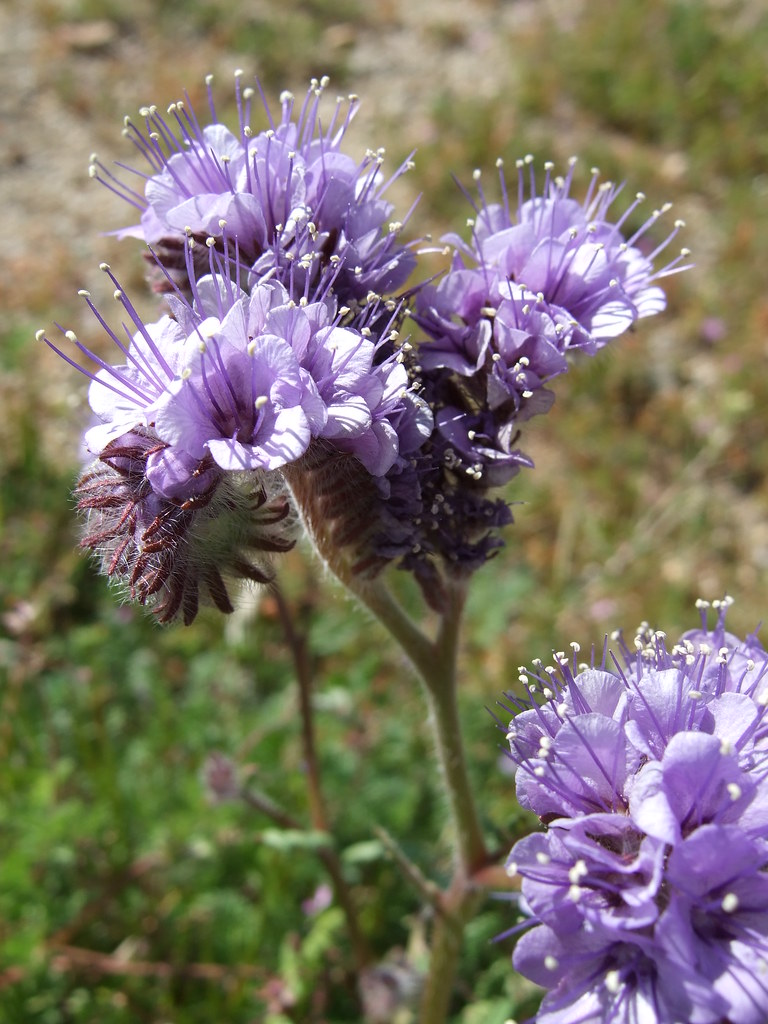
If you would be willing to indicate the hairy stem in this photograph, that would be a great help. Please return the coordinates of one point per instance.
(436, 664)
(441, 684)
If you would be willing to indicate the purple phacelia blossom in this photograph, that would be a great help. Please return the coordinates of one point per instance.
(566, 251)
(535, 285)
(285, 198)
(250, 379)
(648, 892)
(212, 404)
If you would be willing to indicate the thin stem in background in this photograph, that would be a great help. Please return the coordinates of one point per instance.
(265, 805)
(298, 647)
(317, 807)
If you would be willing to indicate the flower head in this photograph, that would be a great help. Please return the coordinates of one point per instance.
(534, 285)
(283, 198)
(249, 379)
(567, 252)
(538, 282)
(649, 890)
(213, 404)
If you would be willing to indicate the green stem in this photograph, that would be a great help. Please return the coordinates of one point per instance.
(435, 663)
(442, 698)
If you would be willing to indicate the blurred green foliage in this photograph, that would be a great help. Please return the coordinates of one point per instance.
(125, 894)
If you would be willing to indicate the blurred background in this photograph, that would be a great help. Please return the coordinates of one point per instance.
(127, 893)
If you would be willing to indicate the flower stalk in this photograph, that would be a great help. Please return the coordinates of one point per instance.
(435, 662)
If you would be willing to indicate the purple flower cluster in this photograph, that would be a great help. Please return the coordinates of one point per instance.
(249, 379)
(276, 357)
(286, 198)
(228, 385)
(281, 357)
(551, 277)
(648, 892)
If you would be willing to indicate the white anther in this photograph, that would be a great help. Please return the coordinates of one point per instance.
(578, 871)
(730, 902)
(613, 981)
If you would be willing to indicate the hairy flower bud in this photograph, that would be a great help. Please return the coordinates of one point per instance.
(171, 554)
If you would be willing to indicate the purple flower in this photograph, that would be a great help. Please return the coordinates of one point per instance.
(648, 892)
(214, 380)
(552, 277)
(568, 252)
(537, 283)
(285, 198)
(249, 380)
(216, 402)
